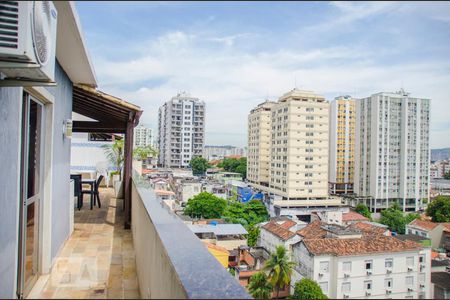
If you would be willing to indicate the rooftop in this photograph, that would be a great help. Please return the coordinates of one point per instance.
(313, 231)
(369, 228)
(353, 216)
(280, 230)
(344, 247)
(441, 279)
(424, 225)
(440, 262)
(219, 229)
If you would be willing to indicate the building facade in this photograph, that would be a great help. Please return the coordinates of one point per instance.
(143, 136)
(381, 267)
(392, 152)
(181, 127)
(342, 145)
(219, 152)
(259, 144)
(299, 146)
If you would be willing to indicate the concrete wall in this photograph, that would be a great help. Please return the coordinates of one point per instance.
(61, 160)
(10, 128)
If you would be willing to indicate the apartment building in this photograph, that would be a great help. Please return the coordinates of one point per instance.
(392, 152)
(211, 152)
(342, 145)
(259, 145)
(181, 127)
(143, 136)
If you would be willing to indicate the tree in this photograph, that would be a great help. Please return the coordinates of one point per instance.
(447, 176)
(114, 153)
(237, 165)
(259, 286)
(308, 289)
(280, 269)
(363, 210)
(205, 205)
(246, 214)
(439, 209)
(253, 234)
(142, 153)
(394, 218)
(199, 165)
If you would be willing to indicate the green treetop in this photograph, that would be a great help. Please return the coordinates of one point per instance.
(205, 205)
(308, 289)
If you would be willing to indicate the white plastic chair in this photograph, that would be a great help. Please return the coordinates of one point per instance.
(102, 169)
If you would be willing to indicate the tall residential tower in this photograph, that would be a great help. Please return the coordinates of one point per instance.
(392, 153)
(342, 145)
(181, 129)
(258, 156)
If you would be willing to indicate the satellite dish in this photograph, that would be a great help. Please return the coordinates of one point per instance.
(41, 31)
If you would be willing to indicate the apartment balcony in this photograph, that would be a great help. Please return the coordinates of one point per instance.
(158, 258)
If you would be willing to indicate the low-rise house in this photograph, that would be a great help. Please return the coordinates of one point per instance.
(438, 233)
(167, 197)
(278, 232)
(364, 267)
(226, 177)
(229, 236)
(187, 189)
(352, 217)
(220, 253)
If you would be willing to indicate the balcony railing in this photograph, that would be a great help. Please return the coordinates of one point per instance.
(171, 261)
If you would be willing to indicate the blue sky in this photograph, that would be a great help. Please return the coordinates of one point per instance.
(234, 55)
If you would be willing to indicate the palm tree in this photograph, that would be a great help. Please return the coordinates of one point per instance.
(259, 286)
(115, 154)
(143, 153)
(280, 268)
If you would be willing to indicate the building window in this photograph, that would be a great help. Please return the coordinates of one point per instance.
(421, 259)
(410, 261)
(389, 262)
(409, 280)
(347, 266)
(422, 277)
(346, 287)
(324, 287)
(368, 264)
(323, 267)
(368, 285)
(388, 283)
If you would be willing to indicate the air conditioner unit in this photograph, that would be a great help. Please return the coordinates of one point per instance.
(369, 272)
(28, 41)
(368, 293)
(346, 275)
(388, 271)
(422, 285)
(410, 269)
(410, 289)
(388, 292)
(320, 274)
(346, 296)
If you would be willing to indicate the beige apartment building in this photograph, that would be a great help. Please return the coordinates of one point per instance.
(342, 145)
(258, 156)
(299, 150)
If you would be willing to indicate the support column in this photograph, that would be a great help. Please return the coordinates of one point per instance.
(128, 155)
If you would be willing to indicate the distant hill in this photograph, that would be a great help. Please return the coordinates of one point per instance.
(440, 154)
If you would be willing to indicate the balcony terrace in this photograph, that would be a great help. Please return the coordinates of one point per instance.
(158, 258)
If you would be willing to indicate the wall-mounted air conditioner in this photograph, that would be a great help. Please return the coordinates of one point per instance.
(346, 296)
(369, 272)
(388, 292)
(410, 269)
(346, 275)
(368, 294)
(388, 271)
(28, 41)
(410, 289)
(422, 285)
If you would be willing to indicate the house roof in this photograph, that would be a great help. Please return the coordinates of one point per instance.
(71, 49)
(218, 229)
(164, 193)
(424, 225)
(288, 224)
(218, 248)
(353, 216)
(368, 228)
(313, 231)
(368, 245)
(279, 230)
(411, 237)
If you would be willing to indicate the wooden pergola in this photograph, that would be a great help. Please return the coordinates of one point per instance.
(112, 115)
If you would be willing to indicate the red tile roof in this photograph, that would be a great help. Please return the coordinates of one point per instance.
(424, 225)
(314, 230)
(343, 247)
(353, 216)
(279, 230)
(288, 224)
(368, 229)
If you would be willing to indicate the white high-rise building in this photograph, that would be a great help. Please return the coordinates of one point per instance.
(181, 130)
(143, 136)
(342, 145)
(392, 153)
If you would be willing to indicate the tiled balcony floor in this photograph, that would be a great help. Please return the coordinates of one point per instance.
(98, 260)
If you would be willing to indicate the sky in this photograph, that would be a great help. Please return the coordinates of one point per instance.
(235, 55)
